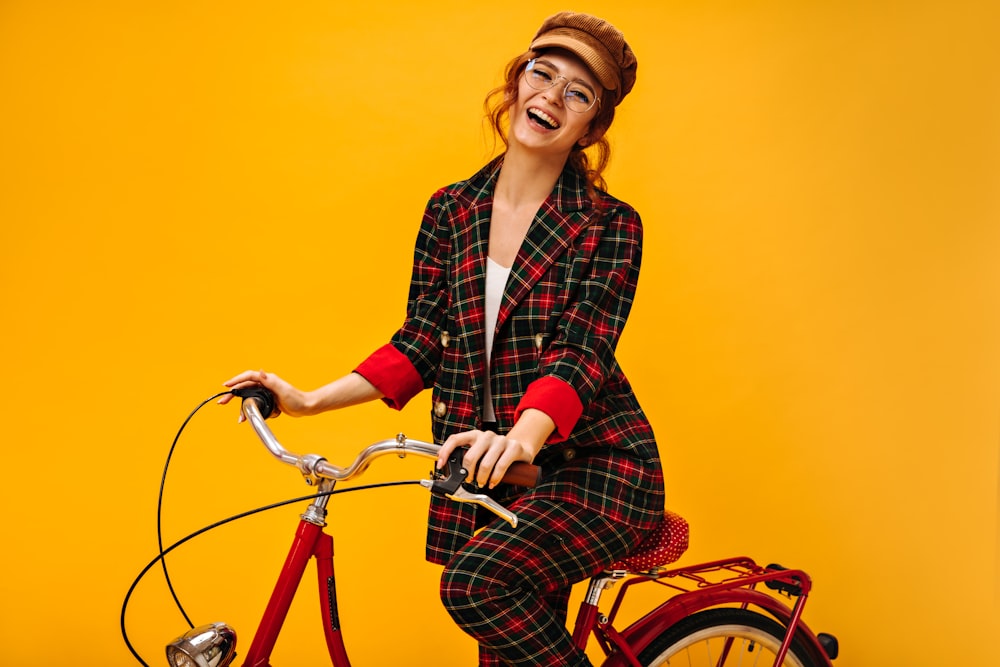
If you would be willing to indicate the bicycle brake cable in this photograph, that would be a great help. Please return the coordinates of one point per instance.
(159, 504)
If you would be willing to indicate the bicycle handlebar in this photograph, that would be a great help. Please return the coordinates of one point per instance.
(314, 467)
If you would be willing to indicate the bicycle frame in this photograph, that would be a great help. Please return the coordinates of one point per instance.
(620, 646)
(310, 542)
(731, 582)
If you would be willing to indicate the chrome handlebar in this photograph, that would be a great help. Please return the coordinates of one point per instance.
(315, 468)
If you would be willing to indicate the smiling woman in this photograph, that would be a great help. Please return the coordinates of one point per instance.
(523, 279)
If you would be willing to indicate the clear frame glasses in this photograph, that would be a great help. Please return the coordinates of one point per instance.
(541, 75)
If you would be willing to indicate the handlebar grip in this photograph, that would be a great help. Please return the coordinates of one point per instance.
(523, 474)
(265, 399)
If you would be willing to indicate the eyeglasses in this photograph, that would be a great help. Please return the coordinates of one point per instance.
(541, 75)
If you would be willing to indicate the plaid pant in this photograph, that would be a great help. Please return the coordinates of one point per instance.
(509, 587)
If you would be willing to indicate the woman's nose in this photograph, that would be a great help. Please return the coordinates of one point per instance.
(556, 93)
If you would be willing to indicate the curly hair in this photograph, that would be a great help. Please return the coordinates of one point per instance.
(499, 101)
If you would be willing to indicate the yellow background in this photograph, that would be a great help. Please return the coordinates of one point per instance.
(188, 189)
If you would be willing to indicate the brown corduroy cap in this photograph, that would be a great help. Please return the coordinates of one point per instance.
(600, 45)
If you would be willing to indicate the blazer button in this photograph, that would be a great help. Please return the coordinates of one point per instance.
(440, 409)
(539, 339)
(445, 338)
(569, 454)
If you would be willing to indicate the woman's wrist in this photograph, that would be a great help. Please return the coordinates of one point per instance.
(532, 430)
(310, 403)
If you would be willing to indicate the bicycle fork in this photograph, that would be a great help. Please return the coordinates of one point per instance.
(310, 542)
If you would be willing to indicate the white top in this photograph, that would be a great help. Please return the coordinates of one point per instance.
(496, 281)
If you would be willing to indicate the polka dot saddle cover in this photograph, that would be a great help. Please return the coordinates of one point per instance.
(663, 545)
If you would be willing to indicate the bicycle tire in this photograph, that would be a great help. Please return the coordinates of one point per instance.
(698, 640)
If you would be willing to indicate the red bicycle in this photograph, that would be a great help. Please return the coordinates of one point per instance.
(721, 613)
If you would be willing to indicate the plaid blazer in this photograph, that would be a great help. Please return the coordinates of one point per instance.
(564, 307)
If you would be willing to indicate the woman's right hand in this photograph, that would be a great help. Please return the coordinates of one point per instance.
(291, 400)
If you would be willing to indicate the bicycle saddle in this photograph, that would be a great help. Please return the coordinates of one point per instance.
(663, 545)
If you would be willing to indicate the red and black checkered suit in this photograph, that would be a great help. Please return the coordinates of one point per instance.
(564, 307)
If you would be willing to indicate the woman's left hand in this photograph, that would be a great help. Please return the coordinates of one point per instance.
(489, 455)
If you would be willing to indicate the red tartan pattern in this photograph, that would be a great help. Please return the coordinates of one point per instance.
(509, 587)
(565, 304)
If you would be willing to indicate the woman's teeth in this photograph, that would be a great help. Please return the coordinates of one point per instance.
(543, 118)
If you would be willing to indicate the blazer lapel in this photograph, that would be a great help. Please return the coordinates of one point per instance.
(468, 279)
(558, 222)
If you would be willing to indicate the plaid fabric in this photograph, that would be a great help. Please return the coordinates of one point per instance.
(509, 587)
(565, 305)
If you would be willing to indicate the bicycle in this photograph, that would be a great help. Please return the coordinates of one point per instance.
(715, 614)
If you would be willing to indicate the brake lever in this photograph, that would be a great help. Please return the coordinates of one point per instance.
(448, 483)
(463, 496)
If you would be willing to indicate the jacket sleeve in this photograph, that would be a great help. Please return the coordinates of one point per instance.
(407, 365)
(581, 355)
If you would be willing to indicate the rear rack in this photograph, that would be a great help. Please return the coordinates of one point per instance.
(722, 576)
(741, 572)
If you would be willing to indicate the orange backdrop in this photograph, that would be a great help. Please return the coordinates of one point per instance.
(189, 189)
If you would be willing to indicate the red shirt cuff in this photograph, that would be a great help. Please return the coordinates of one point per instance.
(558, 400)
(392, 373)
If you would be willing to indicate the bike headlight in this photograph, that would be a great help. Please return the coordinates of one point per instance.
(206, 646)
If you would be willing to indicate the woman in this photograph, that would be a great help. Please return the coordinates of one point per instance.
(523, 278)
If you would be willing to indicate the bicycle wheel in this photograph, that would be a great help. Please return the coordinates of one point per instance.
(703, 640)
